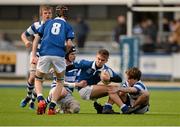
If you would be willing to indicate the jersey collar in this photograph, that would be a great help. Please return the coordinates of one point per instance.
(61, 18)
(94, 67)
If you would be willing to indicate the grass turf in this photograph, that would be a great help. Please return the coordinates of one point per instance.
(164, 111)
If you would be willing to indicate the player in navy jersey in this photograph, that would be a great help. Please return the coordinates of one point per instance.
(45, 13)
(56, 35)
(133, 94)
(67, 103)
(91, 71)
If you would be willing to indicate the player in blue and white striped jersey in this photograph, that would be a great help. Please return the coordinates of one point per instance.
(56, 35)
(45, 13)
(133, 94)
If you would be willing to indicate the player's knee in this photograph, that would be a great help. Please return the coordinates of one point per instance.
(38, 78)
(75, 107)
(146, 95)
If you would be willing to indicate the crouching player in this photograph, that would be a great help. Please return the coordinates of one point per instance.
(133, 94)
(67, 103)
(90, 72)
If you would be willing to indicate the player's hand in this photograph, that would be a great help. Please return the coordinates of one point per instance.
(28, 44)
(105, 77)
(34, 60)
(82, 84)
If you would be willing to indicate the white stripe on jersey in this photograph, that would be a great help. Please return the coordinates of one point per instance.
(30, 31)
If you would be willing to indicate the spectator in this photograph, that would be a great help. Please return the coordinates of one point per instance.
(81, 29)
(150, 34)
(5, 42)
(174, 38)
(120, 28)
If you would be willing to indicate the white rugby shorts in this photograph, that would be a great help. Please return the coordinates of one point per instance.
(46, 62)
(85, 92)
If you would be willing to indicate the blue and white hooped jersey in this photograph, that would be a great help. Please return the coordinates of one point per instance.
(139, 86)
(54, 33)
(70, 76)
(33, 29)
(89, 72)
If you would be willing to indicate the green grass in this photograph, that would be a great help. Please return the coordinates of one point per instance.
(164, 111)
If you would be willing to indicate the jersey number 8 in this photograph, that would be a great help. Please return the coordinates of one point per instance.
(56, 28)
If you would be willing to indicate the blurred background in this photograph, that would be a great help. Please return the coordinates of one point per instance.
(154, 24)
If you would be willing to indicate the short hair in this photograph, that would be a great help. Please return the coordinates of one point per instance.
(62, 10)
(44, 7)
(134, 73)
(104, 53)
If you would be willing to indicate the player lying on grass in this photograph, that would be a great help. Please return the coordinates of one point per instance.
(90, 72)
(132, 96)
(45, 13)
(67, 103)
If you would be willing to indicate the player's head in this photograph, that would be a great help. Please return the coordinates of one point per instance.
(71, 55)
(45, 12)
(102, 57)
(62, 11)
(133, 75)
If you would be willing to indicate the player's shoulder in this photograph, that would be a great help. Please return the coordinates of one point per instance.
(85, 62)
(37, 24)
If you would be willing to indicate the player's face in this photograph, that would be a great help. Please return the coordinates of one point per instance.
(46, 14)
(131, 81)
(100, 60)
(72, 56)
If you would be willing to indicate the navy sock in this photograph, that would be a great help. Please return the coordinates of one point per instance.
(124, 108)
(30, 88)
(107, 107)
(40, 98)
(52, 105)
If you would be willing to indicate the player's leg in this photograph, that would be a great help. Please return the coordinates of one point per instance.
(141, 105)
(39, 90)
(26, 100)
(73, 106)
(56, 94)
(117, 100)
(43, 67)
(143, 99)
(31, 94)
(59, 67)
(69, 104)
(99, 91)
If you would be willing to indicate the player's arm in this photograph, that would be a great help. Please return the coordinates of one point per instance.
(123, 89)
(69, 44)
(127, 89)
(81, 84)
(34, 47)
(25, 40)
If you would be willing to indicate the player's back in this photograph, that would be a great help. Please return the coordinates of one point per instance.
(54, 34)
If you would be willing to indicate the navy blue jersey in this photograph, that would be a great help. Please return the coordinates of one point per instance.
(90, 73)
(54, 34)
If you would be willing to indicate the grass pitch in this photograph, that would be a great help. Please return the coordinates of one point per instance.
(164, 111)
